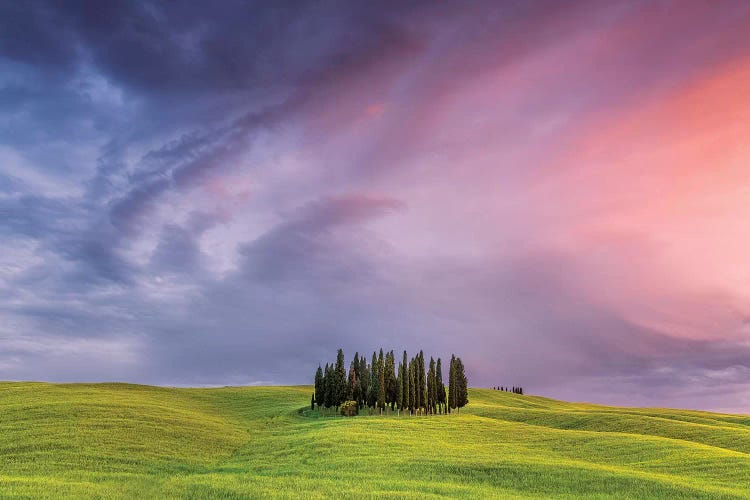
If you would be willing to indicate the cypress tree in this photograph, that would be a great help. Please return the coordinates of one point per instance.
(452, 384)
(417, 381)
(372, 394)
(412, 387)
(429, 393)
(393, 387)
(364, 386)
(319, 391)
(340, 379)
(431, 388)
(399, 385)
(462, 390)
(421, 383)
(405, 383)
(381, 384)
(351, 383)
(357, 378)
(440, 386)
(312, 401)
(328, 387)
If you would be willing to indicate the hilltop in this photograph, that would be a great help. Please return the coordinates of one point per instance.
(121, 440)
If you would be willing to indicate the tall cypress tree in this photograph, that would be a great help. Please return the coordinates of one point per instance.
(381, 381)
(462, 389)
(399, 386)
(351, 383)
(364, 375)
(340, 377)
(372, 393)
(357, 378)
(405, 383)
(412, 386)
(391, 387)
(319, 391)
(387, 378)
(431, 389)
(452, 384)
(440, 386)
(329, 386)
(422, 403)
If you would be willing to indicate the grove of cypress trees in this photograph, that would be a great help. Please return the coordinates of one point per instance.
(411, 388)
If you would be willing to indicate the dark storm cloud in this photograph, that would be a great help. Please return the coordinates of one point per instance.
(115, 74)
(155, 52)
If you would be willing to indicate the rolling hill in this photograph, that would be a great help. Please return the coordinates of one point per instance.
(121, 440)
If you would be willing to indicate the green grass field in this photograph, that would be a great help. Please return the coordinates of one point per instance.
(129, 441)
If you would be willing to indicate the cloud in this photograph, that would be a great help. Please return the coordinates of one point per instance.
(227, 193)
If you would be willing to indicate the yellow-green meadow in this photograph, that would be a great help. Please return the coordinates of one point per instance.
(131, 441)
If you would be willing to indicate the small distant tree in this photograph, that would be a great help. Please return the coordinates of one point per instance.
(312, 401)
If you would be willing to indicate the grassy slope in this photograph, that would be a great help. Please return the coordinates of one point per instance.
(117, 440)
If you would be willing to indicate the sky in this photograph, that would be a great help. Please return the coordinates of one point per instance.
(224, 193)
